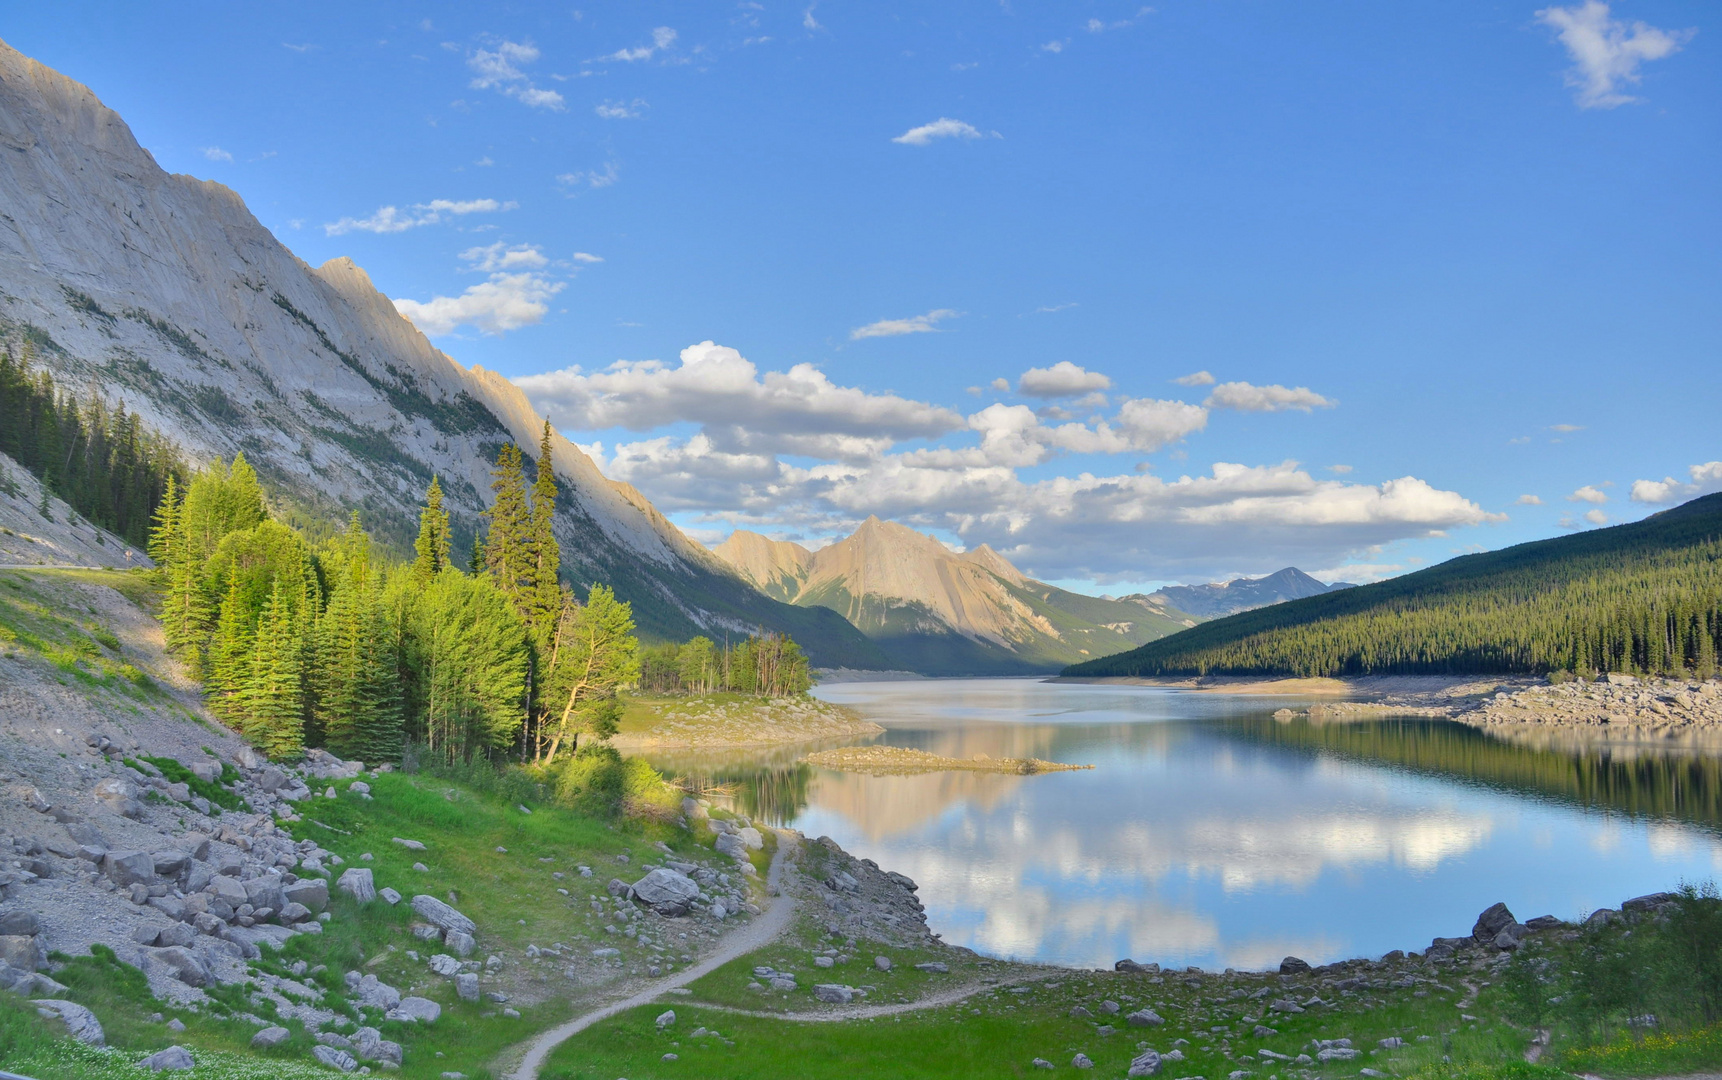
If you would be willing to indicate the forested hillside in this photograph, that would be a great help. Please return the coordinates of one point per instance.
(1644, 597)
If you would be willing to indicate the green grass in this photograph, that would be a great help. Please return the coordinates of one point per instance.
(218, 792)
(38, 619)
(1658, 1053)
(998, 1033)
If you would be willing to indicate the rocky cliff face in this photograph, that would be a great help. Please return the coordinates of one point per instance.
(164, 291)
(935, 611)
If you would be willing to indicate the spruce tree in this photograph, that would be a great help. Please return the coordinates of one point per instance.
(508, 549)
(432, 545)
(273, 697)
(544, 603)
(227, 675)
(164, 534)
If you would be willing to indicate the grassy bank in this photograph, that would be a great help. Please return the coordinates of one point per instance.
(726, 719)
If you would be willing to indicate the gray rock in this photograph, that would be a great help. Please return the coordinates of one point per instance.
(1649, 902)
(119, 795)
(23, 951)
(783, 983)
(1262, 1031)
(311, 892)
(1081, 1061)
(1285, 1005)
(834, 993)
(376, 993)
(415, 1010)
(666, 1018)
(1492, 921)
(80, 1022)
(667, 892)
(358, 883)
(174, 1057)
(184, 964)
(170, 864)
(127, 868)
(1110, 1007)
(934, 967)
(274, 1035)
(1040, 1063)
(339, 1042)
(751, 837)
(410, 845)
(293, 913)
(180, 934)
(389, 895)
(458, 942)
(1144, 1018)
(1338, 1053)
(1147, 1063)
(271, 779)
(20, 922)
(264, 891)
(1291, 965)
(442, 916)
(883, 963)
(1543, 922)
(466, 985)
(26, 983)
(334, 1058)
(731, 845)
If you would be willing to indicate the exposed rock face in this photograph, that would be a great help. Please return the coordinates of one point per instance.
(165, 291)
(934, 610)
(666, 891)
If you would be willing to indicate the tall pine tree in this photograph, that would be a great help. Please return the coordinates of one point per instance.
(508, 548)
(544, 602)
(274, 695)
(432, 545)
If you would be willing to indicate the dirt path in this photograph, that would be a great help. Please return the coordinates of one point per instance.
(756, 935)
(868, 1012)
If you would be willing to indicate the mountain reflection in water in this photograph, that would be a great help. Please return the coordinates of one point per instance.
(1212, 834)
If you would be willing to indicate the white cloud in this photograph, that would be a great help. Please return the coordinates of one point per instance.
(499, 256)
(505, 302)
(662, 38)
(499, 69)
(390, 219)
(942, 128)
(1245, 397)
(1195, 378)
(216, 153)
(717, 387)
(1063, 379)
(1705, 479)
(1588, 494)
(1001, 385)
(1566, 429)
(591, 178)
(928, 466)
(1339, 470)
(1053, 46)
(807, 19)
(918, 324)
(621, 110)
(1606, 52)
(587, 257)
(1596, 517)
(1527, 500)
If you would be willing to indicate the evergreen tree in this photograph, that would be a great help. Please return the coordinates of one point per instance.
(595, 654)
(165, 531)
(227, 674)
(544, 603)
(274, 694)
(432, 545)
(508, 549)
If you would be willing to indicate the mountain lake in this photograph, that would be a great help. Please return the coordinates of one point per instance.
(1210, 834)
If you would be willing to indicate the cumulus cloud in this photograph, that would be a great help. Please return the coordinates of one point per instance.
(390, 219)
(216, 153)
(1606, 52)
(1063, 379)
(794, 451)
(1527, 500)
(662, 38)
(1195, 378)
(1596, 517)
(1704, 479)
(1339, 470)
(499, 69)
(587, 257)
(1245, 397)
(621, 110)
(1588, 494)
(918, 324)
(942, 128)
(588, 178)
(515, 294)
(716, 386)
(1566, 429)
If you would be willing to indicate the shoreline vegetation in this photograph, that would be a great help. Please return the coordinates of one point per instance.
(728, 720)
(904, 761)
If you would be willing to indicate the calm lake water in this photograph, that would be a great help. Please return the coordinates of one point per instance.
(1210, 834)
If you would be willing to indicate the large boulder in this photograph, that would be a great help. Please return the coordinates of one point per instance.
(174, 1057)
(79, 1021)
(1292, 965)
(732, 845)
(415, 1010)
(358, 883)
(119, 795)
(667, 892)
(183, 963)
(442, 916)
(334, 1058)
(23, 951)
(369, 1044)
(751, 837)
(128, 868)
(273, 1035)
(1147, 1063)
(20, 922)
(228, 890)
(1492, 921)
(312, 892)
(834, 993)
(170, 864)
(376, 993)
(264, 891)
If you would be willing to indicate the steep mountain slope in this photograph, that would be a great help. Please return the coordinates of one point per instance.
(1643, 597)
(165, 292)
(935, 611)
(1243, 594)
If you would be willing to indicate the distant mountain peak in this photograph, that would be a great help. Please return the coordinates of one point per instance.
(1243, 594)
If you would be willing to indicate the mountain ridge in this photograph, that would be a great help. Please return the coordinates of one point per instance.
(163, 290)
(937, 611)
(1243, 594)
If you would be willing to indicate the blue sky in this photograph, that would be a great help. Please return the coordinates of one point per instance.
(1466, 253)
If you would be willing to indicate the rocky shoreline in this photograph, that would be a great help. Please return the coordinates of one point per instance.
(903, 761)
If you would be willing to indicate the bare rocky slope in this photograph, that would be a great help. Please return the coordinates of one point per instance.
(165, 292)
(1243, 594)
(936, 611)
